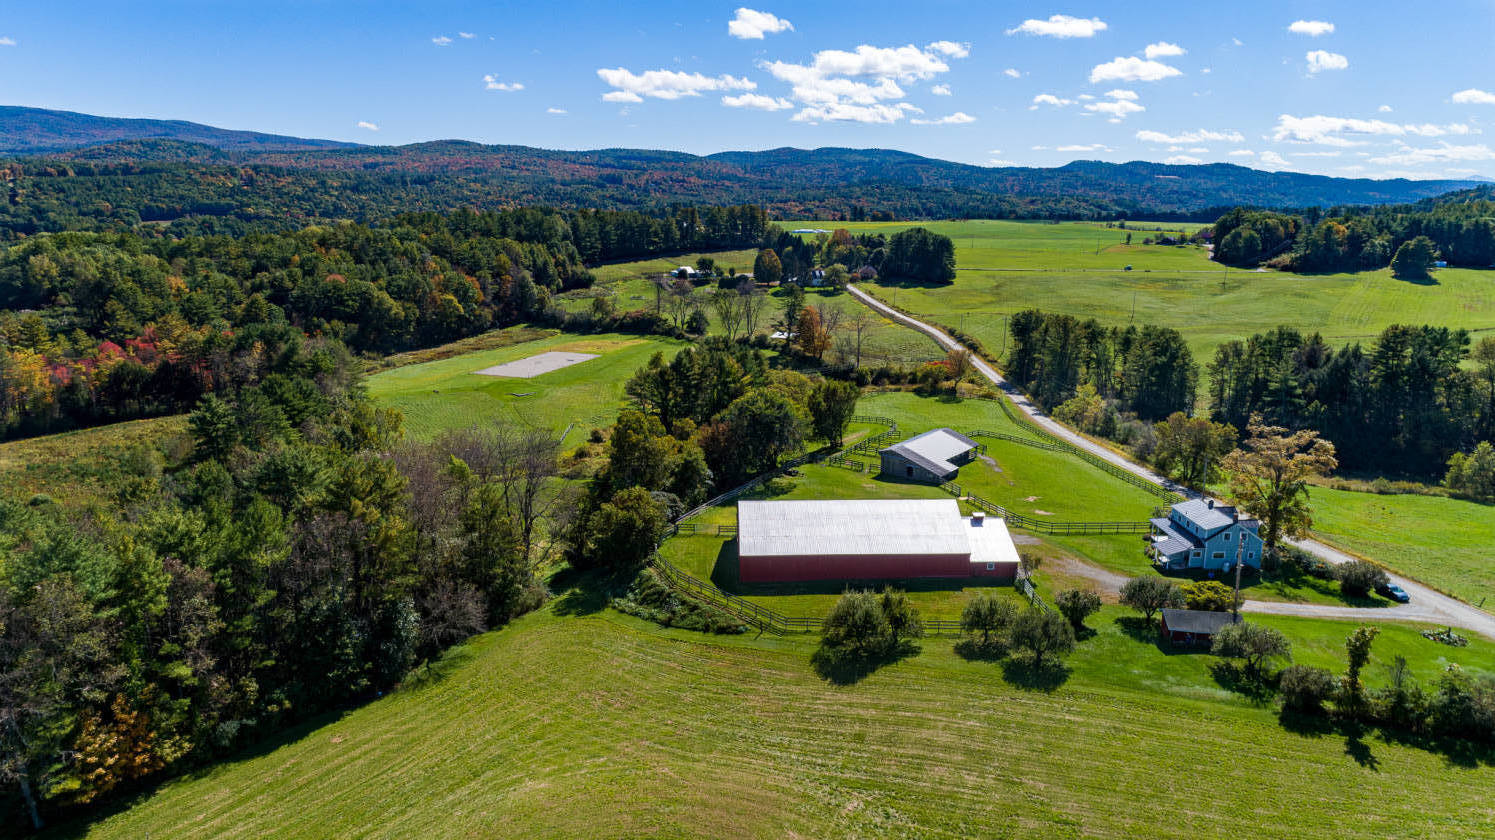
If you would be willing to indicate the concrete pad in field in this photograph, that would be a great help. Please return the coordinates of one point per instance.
(536, 365)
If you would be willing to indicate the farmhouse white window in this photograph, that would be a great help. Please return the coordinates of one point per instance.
(991, 567)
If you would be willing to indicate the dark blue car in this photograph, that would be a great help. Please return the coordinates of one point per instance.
(1394, 592)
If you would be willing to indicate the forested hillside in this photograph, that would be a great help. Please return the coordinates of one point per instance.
(210, 180)
(98, 327)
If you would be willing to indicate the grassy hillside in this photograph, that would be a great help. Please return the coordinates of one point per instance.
(102, 466)
(1445, 543)
(602, 726)
(447, 393)
(1077, 268)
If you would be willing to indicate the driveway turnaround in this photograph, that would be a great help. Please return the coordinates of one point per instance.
(1427, 605)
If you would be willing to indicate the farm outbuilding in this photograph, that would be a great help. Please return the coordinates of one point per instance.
(884, 539)
(934, 456)
(1193, 627)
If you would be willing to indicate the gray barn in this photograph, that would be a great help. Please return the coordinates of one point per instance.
(932, 457)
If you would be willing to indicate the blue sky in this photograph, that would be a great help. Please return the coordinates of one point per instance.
(1352, 89)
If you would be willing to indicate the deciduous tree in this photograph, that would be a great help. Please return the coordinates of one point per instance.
(1269, 477)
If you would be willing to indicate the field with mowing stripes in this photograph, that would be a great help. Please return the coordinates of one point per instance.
(603, 726)
(1077, 268)
(448, 394)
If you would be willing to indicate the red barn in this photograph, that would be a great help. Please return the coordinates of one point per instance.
(884, 539)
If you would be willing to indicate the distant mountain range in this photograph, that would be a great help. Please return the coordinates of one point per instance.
(791, 182)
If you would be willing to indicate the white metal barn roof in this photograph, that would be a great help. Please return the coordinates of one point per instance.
(934, 449)
(851, 527)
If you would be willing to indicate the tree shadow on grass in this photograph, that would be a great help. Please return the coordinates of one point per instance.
(1356, 748)
(974, 650)
(1045, 677)
(435, 671)
(841, 666)
(584, 592)
(1234, 677)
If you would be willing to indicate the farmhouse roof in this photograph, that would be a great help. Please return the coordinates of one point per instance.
(1206, 515)
(1174, 540)
(934, 449)
(1205, 622)
(851, 527)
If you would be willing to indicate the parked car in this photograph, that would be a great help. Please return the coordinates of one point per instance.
(1394, 592)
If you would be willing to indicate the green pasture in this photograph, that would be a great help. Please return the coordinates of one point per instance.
(646, 732)
(1078, 268)
(446, 394)
(1448, 544)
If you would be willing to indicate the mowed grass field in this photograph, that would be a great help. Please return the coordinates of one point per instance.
(448, 394)
(1077, 268)
(600, 725)
(1446, 543)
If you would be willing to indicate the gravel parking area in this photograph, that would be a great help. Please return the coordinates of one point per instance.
(536, 365)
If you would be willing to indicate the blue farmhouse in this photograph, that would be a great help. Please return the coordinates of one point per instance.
(1200, 534)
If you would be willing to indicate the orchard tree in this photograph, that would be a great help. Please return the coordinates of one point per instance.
(987, 615)
(901, 616)
(857, 625)
(1077, 605)
(1269, 477)
(1253, 644)
(1151, 593)
(1042, 633)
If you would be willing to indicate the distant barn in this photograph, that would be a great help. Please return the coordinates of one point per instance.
(884, 539)
(931, 457)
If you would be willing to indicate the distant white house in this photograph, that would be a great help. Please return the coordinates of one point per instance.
(685, 272)
(1200, 534)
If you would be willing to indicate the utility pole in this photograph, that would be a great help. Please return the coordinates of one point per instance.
(1240, 545)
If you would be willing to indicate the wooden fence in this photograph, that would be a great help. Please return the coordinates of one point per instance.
(1044, 526)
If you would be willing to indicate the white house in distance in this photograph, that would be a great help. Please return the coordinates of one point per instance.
(1200, 534)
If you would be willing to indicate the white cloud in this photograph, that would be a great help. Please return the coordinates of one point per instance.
(813, 88)
(1181, 160)
(491, 82)
(1163, 49)
(1131, 69)
(1384, 109)
(753, 25)
(1315, 154)
(1012, 73)
(1060, 26)
(1202, 135)
(1311, 28)
(1443, 153)
(1238, 42)
(1050, 99)
(367, 126)
(6, 41)
(465, 35)
(664, 84)
(906, 63)
(1205, 71)
(1331, 131)
(1116, 109)
(1084, 147)
(1240, 153)
(1272, 160)
(881, 114)
(441, 40)
(1122, 94)
(954, 49)
(757, 101)
(940, 90)
(1000, 163)
(957, 118)
(557, 111)
(1474, 96)
(1321, 60)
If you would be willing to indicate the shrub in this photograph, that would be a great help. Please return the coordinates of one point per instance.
(1359, 578)
(987, 615)
(856, 624)
(649, 598)
(1077, 605)
(1209, 595)
(1150, 593)
(1305, 688)
(901, 617)
(1043, 634)
(1464, 707)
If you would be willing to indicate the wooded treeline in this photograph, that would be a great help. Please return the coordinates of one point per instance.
(104, 327)
(292, 558)
(1402, 405)
(1460, 227)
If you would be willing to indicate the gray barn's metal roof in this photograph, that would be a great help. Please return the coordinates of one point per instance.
(1196, 621)
(851, 527)
(934, 449)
